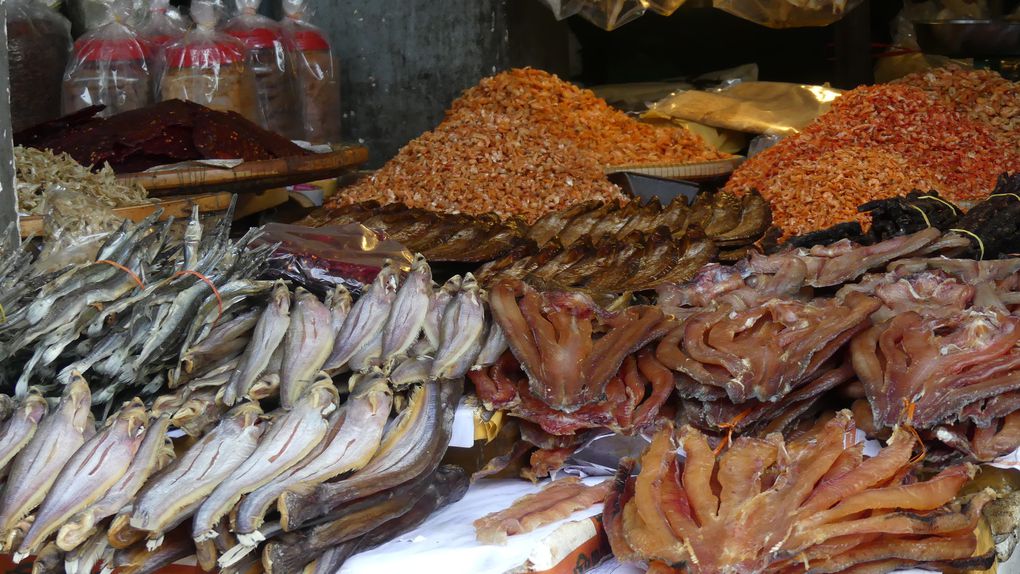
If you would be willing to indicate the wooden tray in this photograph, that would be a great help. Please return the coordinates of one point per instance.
(250, 176)
(180, 207)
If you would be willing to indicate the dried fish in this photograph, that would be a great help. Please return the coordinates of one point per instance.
(139, 559)
(555, 502)
(269, 332)
(88, 555)
(434, 319)
(408, 313)
(18, 431)
(306, 347)
(366, 320)
(460, 333)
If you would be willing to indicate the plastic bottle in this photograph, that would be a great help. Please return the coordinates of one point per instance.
(317, 73)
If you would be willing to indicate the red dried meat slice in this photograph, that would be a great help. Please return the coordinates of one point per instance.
(558, 500)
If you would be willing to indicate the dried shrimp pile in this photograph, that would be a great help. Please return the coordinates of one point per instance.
(926, 144)
(38, 171)
(523, 143)
(981, 95)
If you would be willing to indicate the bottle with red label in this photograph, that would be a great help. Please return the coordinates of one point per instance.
(274, 78)
(108, 67)
(209, 67)
(317, 73)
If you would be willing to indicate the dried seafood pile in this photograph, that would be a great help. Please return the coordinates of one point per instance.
(40, 171)
(523, 143)
(779, 504)
(605, 248)
(439, 237)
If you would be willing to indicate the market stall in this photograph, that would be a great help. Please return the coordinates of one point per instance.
(741, 327)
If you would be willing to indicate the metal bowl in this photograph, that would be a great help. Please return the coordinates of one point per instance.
(969, 38)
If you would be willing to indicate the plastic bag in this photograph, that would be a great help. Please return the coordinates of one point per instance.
(75, 227)
(274, 74)
(160, 27)
(317, 73)
(38, 44)
(209, 67)
(319, 258)
(788, 13)
(109, 68)
(611, 14)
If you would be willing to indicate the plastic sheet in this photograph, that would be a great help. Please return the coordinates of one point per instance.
(38, 44)
(209, 67)
(317, 73)
(274, 74)
(109, 68)
(75, 227)
(611, 14)
(320, 258)
(788, 13)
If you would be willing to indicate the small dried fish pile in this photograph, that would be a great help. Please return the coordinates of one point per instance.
(124, 318)
(439, 237)
(38, 171)
(780, 505)
(612, 247)
(555, 502)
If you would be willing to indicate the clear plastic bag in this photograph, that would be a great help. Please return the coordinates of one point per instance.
(317, 73)
(788, 13)
(161, 26)
(75, 227)
(274, 74)
(319, 258)
(38, 45)
(611, 14)
(209, 67)
(109, 68)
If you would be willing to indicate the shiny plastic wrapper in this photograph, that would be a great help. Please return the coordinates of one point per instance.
(788, 13)
(38, 44)
(209, 67)
(611, 14)
(109, 68)
(317, 74)
(773, 108)
(319, 258)
(274, 74)
(75, 227)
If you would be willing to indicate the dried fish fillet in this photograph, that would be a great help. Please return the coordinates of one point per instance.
(19, 429)
(558, 500)
(269, 332)
(306, 347)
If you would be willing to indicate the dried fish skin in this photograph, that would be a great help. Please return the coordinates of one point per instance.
(35, 469)
(288, 440)
(268, 333)
(155, 452)
(366, 319)
(19, 429)
(460, 333)
(365, 414)
(408, 312)
(306, 347)
(412, 447)
(178, 491)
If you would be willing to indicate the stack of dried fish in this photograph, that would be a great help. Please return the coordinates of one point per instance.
(440, 237)
(124, 317)
(611, 248)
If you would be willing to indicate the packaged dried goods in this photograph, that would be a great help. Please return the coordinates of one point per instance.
(109, 68)
(162, 26)
(210, 67)
(274, 75)
(317, 74)
(38, 43)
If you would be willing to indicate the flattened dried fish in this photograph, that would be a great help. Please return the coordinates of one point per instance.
(408, 313)
(556, 501)
(140, 559)
(412, 447)
(268, 334)
(460, 334)
(339, 302)
(434, 319)
(495, 345)
(176, 493)
(365, 414)
(155, 452)
(306, 347)
(289, 439)
(366, 319)
(18, 431)
(89, 474)
(56, 440)
(88, 555)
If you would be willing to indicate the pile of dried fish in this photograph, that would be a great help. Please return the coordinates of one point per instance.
(39, 171)
(440, 237)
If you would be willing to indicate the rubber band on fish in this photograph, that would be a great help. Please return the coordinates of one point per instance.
(728, 427)
(940, 200)
(1013, 195)
(3, 315)
(207, 281)
(116, 265)
(981, 244)
(923, 214)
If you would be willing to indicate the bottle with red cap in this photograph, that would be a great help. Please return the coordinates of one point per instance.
(108, 67)
(317, 73)
(274, 82)
(209, 67)
(162, 26)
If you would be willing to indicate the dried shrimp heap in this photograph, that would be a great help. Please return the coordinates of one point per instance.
(524, 143)
(914, 141)
(39, 171)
